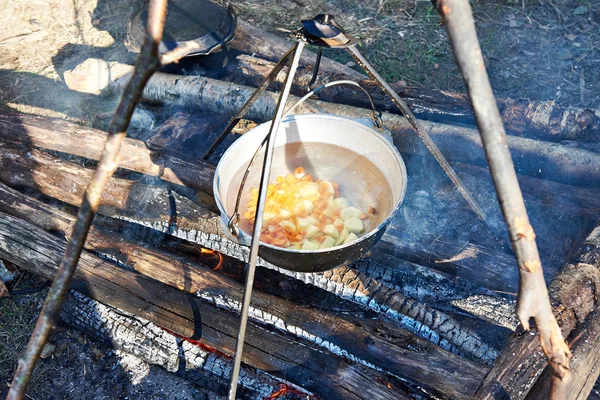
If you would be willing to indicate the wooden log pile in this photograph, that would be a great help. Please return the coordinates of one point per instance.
(382, 283)
(428, 313)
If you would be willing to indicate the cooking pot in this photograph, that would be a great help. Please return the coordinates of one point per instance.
(368, 168)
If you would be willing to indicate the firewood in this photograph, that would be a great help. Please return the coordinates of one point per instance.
(544, 120)
(439, 253)
(574, 293)
(64, 136)
(324, 374)
(551, 161)
(585, 347)
(332, 332)
(148, 341)
(196, 224)
(272, 48)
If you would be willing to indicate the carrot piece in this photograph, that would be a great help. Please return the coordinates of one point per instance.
(266, 238)
(363, 216)
(280, 242)
(299, 170)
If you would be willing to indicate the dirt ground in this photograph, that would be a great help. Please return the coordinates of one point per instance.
(77, 367)
(536, 49)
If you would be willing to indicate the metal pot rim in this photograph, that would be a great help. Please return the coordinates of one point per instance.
(289, 118)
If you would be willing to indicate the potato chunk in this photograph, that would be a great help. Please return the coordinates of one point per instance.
(354, 225)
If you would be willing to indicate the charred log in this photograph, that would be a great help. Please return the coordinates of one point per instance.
(574, 293)
(167, 212)
(323, 374)
(153, 344)
(332, 333)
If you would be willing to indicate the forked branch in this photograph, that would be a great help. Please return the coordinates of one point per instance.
(533, 301)
(148, 62)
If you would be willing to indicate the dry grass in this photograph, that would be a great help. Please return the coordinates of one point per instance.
(17, 319)
(542, 51)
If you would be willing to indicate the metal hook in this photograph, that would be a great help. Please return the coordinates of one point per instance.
(316, 68)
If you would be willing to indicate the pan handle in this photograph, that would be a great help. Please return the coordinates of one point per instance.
(375, 115)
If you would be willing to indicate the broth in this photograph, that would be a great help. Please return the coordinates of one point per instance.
(360, 181)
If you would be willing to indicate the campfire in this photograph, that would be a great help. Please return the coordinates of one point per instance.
(424, 307)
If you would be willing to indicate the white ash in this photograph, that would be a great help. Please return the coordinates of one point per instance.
(146, 340)
(430, 324)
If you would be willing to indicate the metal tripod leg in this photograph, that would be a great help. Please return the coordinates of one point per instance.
(431, 146)
(260, 209)
(255, 96)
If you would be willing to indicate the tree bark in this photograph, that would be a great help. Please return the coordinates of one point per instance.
(551, 161)
(573, 293)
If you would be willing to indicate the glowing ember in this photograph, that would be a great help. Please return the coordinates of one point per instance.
(198, 343)
(283, 389)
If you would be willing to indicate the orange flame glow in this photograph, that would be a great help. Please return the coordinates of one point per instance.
(215, 253)
(283, 389)
(195, 342)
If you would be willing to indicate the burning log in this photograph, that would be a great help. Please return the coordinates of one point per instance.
(439, 254)
(552, 161)
(123, 331)
(191, 222)
(326, 375)
(574, 293)
(544, 120)
(332, 332)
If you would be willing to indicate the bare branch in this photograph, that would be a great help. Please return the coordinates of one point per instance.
(533, 301)
(148, 62)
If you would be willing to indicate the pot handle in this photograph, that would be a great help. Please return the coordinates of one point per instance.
(375, 115)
